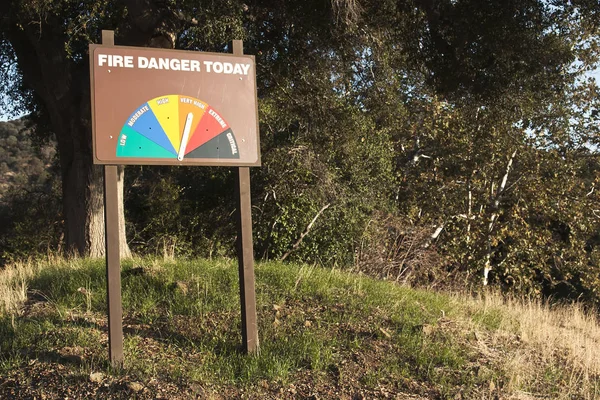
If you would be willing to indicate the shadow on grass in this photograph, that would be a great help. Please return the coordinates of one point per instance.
(165, 334)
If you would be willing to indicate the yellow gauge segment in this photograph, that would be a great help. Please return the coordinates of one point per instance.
(166, 111)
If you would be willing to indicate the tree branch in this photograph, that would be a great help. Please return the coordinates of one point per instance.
(306, 231)
(499, 193)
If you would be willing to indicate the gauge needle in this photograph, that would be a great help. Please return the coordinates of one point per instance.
(186, 133)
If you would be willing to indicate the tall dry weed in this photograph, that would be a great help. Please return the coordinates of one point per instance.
(548, 336)
(14, 280)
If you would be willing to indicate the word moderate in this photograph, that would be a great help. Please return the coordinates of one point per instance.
(173, 64)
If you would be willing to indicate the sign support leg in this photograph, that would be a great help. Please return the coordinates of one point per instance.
(113, 266)
(245, 250)
(246, 262)
(113, 256)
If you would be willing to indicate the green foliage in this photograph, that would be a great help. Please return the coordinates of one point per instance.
(343, 161)
(535, 231)
(319, 328)
(206, 294)
(472, 125)
(183, 211)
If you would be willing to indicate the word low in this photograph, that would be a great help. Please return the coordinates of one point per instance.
(173, 64)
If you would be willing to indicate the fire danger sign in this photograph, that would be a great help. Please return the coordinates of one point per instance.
(171, 107)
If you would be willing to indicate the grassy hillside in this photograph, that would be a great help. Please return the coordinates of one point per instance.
(324, 334)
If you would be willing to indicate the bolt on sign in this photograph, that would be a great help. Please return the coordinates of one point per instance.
(172, 107)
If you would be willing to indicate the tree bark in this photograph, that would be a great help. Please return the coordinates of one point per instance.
(123, 246)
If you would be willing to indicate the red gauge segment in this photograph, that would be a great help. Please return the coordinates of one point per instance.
(210, 126)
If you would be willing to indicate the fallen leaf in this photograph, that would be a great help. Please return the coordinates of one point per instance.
(135, 386)
(427, 329)
(385, 333)
(96, 377)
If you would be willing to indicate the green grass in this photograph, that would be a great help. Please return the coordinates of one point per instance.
(319, 328)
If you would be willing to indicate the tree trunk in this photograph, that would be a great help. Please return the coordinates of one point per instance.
(123, 246)
(83, 207)
(62, 86)
(83, 185)
(83, 189)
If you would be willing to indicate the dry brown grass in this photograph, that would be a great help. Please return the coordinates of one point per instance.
(537, 342)
(15, 278)
(13, 286)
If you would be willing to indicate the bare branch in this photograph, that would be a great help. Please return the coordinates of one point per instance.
(488, 258)
(435, 235)
(306, 232)
(346, 11)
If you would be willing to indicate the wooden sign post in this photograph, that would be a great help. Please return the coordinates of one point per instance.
(246, 251)
(171, 107)
(246, 262)
(113, 252)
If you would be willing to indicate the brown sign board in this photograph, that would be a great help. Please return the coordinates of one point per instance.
(172, 107)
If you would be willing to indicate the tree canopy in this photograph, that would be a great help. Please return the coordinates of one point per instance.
(417, 139)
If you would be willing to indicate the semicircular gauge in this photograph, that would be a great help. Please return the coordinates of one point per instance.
(176, 126)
